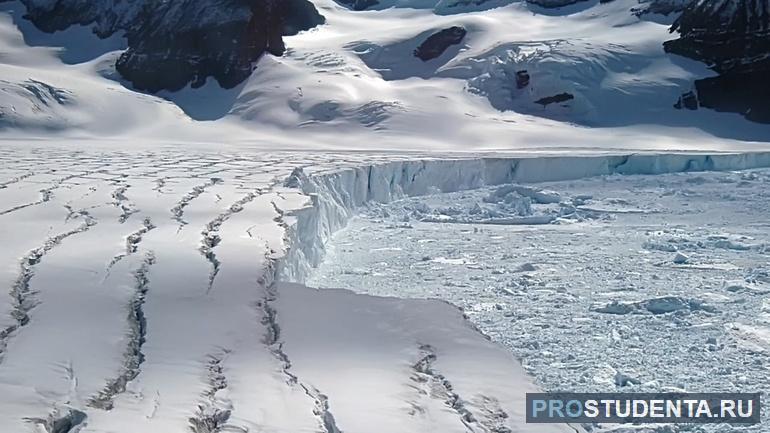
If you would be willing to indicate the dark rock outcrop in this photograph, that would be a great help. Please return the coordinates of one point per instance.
(723, 33)
(175, 43)
(522, 79)
(555, 99)
(733, 38)
(437, 43)
(739, 91)
(688, 100)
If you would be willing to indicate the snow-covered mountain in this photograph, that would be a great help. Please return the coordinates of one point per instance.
(488, 74)
(172, 44)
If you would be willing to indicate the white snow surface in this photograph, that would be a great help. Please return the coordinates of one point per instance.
(141, 297)
(353, 83)
(142, 234)
(141, 294)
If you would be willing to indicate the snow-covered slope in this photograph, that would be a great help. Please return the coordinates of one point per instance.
(518, 75)
(171, 44)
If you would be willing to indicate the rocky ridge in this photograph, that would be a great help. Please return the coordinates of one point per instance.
(173, 44)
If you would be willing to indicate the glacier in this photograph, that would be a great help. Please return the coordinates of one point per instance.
(335, 196)
(637, 283)
(158, 289)
(157, 248)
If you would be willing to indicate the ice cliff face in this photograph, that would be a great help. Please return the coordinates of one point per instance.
(335, 196)
(175, 43)
(733, 37)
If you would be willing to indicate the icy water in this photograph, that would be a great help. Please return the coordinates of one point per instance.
(616, 283)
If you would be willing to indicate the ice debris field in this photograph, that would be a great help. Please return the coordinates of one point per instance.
(614, 283)
(160, 291)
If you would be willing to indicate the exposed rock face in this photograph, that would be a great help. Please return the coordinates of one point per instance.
(435, 45)
(738, 91)
(522, 79)
(723, 32)
(688, 100)
(174, 43)
(555, 99)
(733, 37)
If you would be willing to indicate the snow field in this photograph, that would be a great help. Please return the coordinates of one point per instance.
(143, 298)
(354, 84)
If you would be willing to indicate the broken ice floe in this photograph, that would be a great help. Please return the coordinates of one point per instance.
(546, 316)
(675, 242)
(680, 259)
(504, 205)
(661, 305)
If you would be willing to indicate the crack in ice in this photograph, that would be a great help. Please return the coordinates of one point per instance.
(46, 194)
(132, 243)
(214, 411)
(123, 203)
(21, 292)
(210, 235)
(272, 340)
(439, 386)
(16, 179)
(177, 211)
(134, 356)
(69, 422)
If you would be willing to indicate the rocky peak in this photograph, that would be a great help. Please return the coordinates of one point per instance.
(435, 45)
(724, 33)
(733, 38)
(175, 43)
